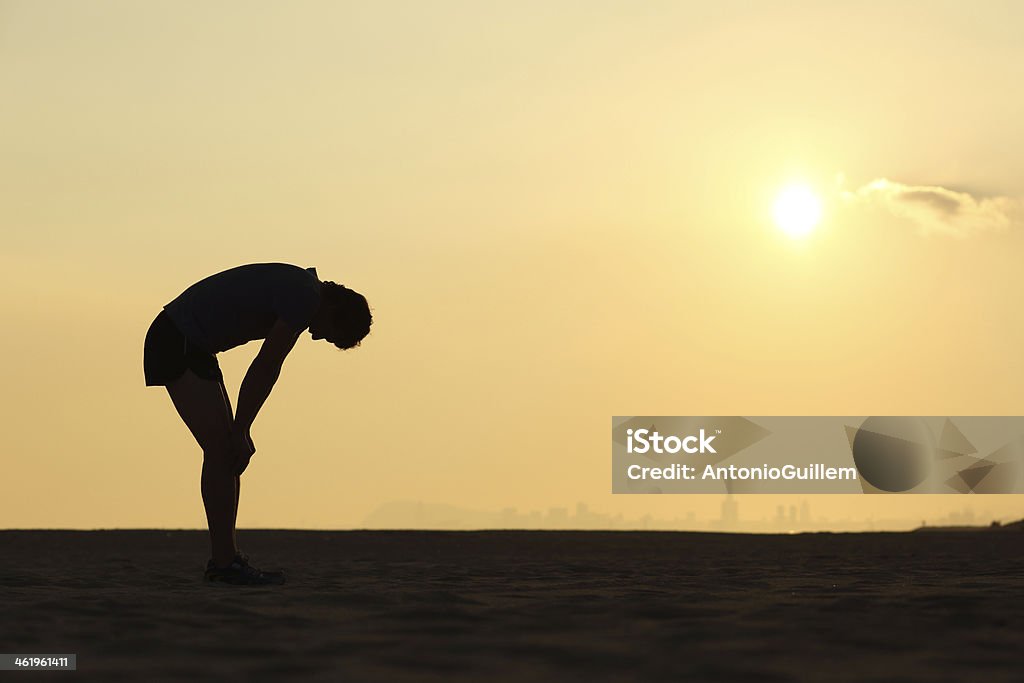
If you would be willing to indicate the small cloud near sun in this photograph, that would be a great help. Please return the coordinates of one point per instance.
(938, 210)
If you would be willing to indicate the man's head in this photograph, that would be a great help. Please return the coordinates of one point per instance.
(343, 318)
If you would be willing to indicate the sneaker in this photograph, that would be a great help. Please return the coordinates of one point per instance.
(243, 559)
(239, 574)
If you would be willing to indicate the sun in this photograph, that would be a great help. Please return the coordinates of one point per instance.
(797, 210)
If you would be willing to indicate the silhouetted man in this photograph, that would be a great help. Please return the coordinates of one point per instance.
(275, 302)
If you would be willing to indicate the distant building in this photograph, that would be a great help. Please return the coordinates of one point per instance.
(509, 518)
(730, 512)
(558, 517)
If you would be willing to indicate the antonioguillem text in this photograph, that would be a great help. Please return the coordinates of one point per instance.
(813, 472)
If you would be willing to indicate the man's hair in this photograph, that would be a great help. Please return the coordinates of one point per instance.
(352, 318)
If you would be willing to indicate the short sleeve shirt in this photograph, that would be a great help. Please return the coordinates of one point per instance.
(240, 304)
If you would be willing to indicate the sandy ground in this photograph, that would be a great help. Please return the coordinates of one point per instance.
(521, 606)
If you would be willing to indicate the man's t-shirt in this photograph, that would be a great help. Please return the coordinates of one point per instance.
(241, 304)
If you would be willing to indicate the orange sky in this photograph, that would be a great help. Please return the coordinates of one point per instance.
(559, 212)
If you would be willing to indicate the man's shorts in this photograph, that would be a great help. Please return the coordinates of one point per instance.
(168, 353)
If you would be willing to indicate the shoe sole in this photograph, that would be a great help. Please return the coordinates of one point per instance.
(270, 581)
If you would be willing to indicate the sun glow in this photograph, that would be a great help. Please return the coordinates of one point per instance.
(797, 211)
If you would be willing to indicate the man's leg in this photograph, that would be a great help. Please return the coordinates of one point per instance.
(238, 480)
(234, 518)
(200, 403)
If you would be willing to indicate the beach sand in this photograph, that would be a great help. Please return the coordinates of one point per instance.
(521, 606)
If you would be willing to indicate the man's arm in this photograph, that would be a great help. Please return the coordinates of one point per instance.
(263, 373)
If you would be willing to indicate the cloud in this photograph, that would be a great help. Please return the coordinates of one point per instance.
(938, 210)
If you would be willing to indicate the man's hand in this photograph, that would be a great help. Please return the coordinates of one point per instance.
(243, 447)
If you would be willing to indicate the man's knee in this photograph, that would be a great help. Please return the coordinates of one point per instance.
(219, 454)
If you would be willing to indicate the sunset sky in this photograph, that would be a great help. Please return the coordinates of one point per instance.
(558, 211)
